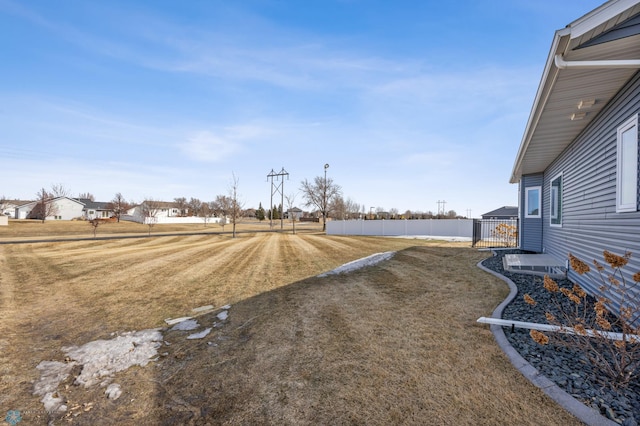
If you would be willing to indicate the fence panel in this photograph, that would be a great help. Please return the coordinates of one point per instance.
(460, 228)
(495, 233)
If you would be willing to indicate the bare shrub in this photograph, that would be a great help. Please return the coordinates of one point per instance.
(506, 233)
(606, 333)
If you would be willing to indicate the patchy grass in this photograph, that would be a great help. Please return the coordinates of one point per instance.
(395, 343)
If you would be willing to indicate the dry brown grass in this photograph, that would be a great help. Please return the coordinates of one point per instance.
(396, 343)
(35, 229)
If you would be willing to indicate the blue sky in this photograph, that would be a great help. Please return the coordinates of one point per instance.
(409, 102)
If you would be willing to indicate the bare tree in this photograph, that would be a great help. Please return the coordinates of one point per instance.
(119, 205)
(150, 210)
(221, 205)
(95, 222)
(58, 190)
(320, 193)
(87, 196)
(236, 205)
(339, 208)
(181, 204)
(206, 211)
(194, 206)
(352, 208)
(44, 207)
(291, 199)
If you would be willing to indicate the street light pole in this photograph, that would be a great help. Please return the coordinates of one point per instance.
(324, 199)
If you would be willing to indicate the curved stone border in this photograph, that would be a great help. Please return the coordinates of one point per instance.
(584, 413)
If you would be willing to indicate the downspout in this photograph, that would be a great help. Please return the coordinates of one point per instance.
(603, 64)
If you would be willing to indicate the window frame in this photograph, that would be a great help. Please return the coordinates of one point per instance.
(628, 125)
(558, 201)
(526, 202)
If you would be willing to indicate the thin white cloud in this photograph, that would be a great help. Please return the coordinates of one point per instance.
(208, 147)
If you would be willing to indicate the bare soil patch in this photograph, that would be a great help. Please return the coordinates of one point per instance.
(394, 343)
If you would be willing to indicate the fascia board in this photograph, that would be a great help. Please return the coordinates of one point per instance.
(599, 16)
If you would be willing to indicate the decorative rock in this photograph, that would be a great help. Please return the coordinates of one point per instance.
(564, 366)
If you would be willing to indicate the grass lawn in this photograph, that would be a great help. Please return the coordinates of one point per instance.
(394, 343)
(36, 229)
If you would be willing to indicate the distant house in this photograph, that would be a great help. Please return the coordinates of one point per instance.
(96, 209)
(577, 165)
(294, 213)
(8, 207)
(158, 209)
(64, 208)
(164, 212)
(503, 213)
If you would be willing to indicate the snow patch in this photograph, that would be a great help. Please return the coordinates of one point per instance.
(113, 391)
(102, 358)
(53, 403)
(200, 335)
(51, 374)
(360, 263)
(186, 325)
(223, 315)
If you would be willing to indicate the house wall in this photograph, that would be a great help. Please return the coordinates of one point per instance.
(590, 223)
(67, 209)
(531, 230)
(23, 211)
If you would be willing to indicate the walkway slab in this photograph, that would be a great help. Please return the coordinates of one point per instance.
(537, 264)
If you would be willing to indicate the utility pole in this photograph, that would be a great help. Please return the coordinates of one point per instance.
(441, 204)
(275, 188)
(468, 213)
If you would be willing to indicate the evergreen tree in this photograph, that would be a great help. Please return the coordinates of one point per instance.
(260, 213)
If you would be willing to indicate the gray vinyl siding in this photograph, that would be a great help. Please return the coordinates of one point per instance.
(590, 223)
(531, 228)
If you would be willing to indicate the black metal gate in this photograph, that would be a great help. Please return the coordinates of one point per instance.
(495, 233)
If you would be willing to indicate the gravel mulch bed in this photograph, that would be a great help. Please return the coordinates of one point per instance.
(565, 367)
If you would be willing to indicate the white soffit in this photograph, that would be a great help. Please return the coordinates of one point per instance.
(550, 128)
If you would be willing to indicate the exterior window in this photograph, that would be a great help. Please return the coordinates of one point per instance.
(627, 167)
(532, 202)
(555, 205)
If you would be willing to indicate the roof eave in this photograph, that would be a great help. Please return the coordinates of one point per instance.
(561, 42)
(550, 74)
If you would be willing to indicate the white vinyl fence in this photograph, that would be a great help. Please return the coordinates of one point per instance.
(460, 228)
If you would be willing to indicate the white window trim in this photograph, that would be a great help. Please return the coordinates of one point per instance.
(526, 202)
(551, 198)
(633, 206)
